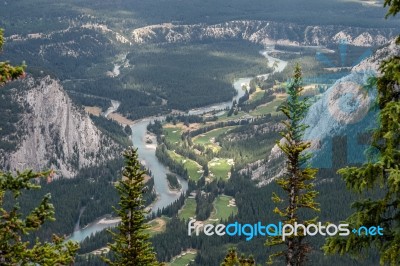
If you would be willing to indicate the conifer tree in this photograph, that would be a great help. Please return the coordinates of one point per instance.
(132, 246)
(297, 179)
(380, 173)
(394, 7)
(7, 71)
(232, 259)
(14, 226)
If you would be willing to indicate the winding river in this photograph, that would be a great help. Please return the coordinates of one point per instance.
(147, 156)
(114, 106)
(147, 151)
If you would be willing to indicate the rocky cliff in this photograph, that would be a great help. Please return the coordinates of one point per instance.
(343, 112)
(346, 110)
(57, 134)
(263, 32)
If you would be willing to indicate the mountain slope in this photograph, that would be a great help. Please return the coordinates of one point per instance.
(264, 32)
(56, 133)
(338, 121)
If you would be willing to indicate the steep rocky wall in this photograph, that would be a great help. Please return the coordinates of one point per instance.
(58, 135)
(343, 111)
(263, 32)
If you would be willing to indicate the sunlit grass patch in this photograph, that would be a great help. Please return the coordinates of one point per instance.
(157, 225)
(183, 259)
(224, 206)
(173, 134)
(268, 108)
(188, 210)
(194, 169)
(220, 167)
(208, 140)
(257, 95)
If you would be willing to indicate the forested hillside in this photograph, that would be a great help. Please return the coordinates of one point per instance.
(199, 87)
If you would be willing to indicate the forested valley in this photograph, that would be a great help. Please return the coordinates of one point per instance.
(221, 164)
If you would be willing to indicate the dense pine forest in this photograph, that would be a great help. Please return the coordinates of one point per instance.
(222, 165)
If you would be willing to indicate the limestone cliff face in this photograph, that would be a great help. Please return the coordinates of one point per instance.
(263, 32)
(343, 111)
(58, 135)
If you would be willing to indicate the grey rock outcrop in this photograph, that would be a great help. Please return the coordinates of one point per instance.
(58, 135)
(263, 32)
(342, 111)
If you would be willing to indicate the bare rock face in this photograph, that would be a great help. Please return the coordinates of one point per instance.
(343, 111)
(263, 32)
(58, 135)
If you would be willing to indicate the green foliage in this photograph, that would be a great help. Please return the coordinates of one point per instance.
(193, 71)
(297, 180)
(183, 260)
(173, 182)
(13, 226)
(188, 210)
(394, 7)
(113, 129)
(131, 246)
(204, 205)
(221, 210)
(7, 71)
(232, 259)
(380, 174)
(11, 112)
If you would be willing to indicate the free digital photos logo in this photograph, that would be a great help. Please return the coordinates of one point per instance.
(342, 114)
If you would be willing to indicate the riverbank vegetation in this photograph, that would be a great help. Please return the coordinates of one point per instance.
(219, 146)
(162, 77)
(198, 71)
(173, 182)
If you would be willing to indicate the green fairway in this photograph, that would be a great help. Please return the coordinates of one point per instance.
(220, 167)
(224, 206)
(173, 134)
(183, 260)
(208, 139)
(225, 117)
(193, 168)
(269, 108)
(189, 209)
(157, 226)
(257, 95)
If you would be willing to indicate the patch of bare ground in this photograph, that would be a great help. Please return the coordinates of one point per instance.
(94, 110)
(120, 119)
(160, 225)
(193, 126)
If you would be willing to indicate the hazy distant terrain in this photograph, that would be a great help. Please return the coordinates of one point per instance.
(165, 57)
(81, 42)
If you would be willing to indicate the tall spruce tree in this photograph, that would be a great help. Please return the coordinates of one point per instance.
(132, 246)
(232, 259)
(297, 179)
(14, 226)
(380, 173)
(7, 71)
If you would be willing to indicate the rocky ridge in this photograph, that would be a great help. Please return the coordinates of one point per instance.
(263, 32)
(342, 111)
(58, 134)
